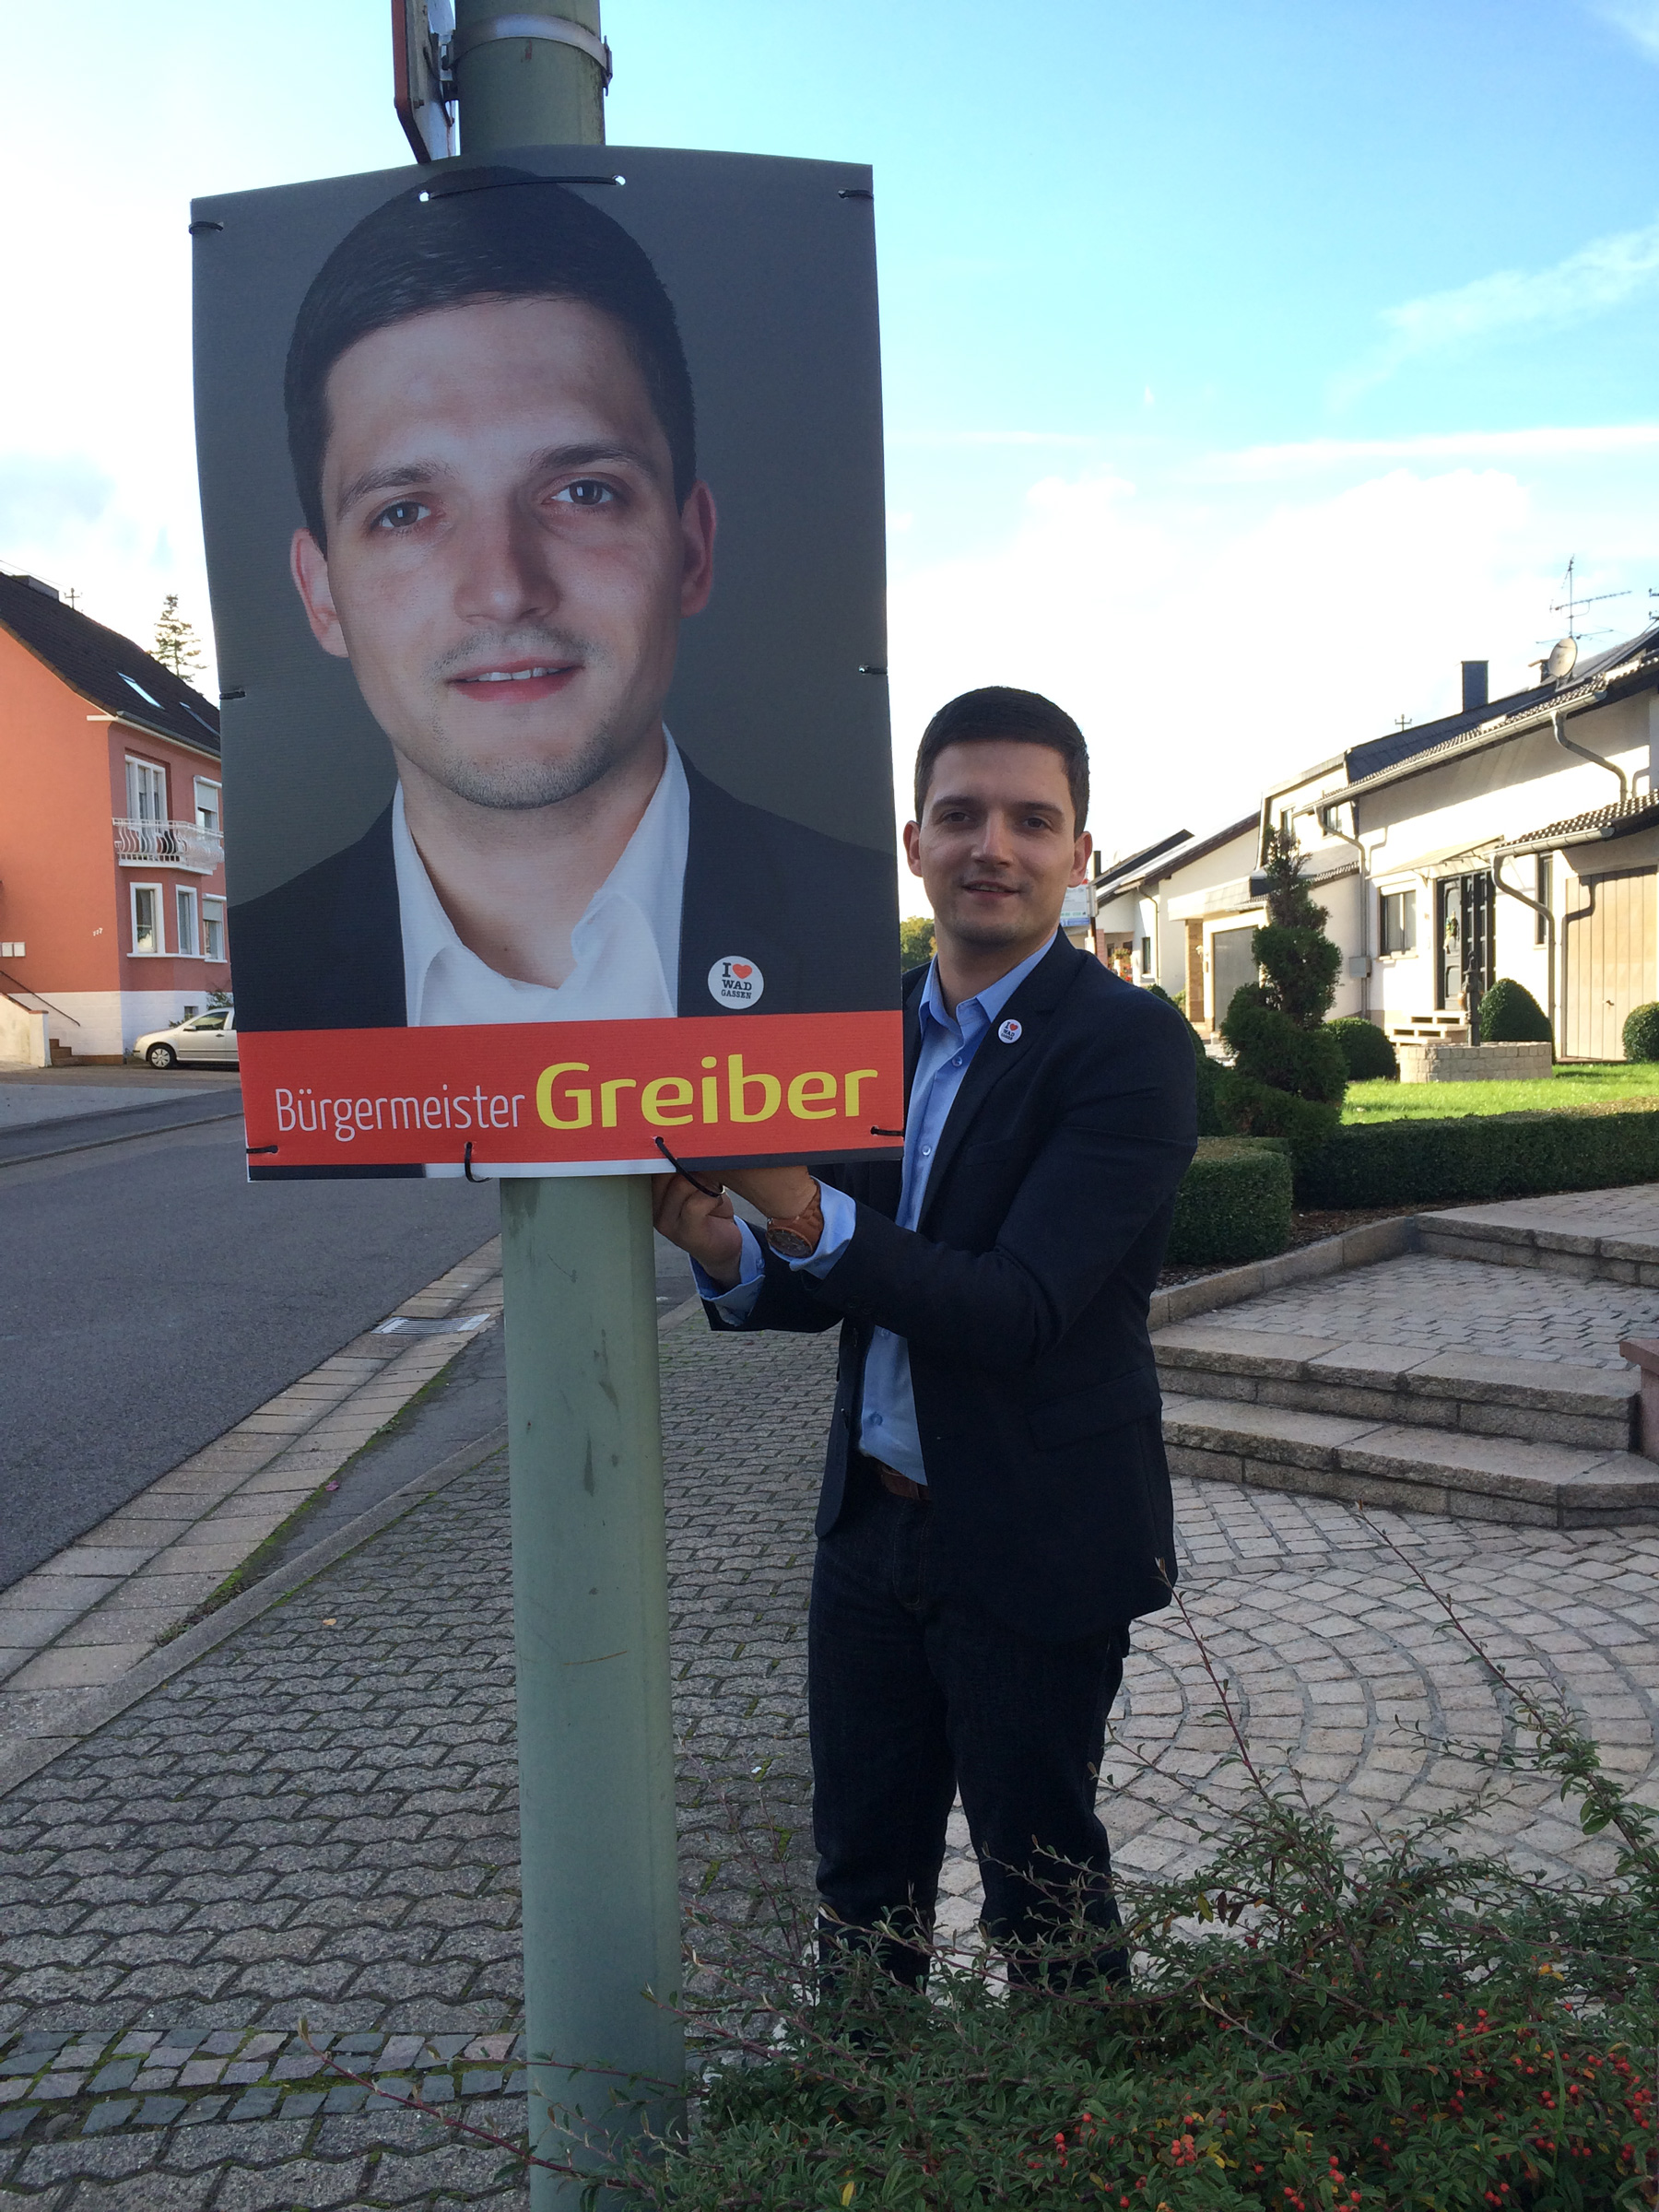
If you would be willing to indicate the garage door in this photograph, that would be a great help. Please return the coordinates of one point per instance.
(1610, 961)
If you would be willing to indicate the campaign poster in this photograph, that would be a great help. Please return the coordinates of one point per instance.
(544, 513)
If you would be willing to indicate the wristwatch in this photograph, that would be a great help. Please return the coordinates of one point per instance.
(795, 1236)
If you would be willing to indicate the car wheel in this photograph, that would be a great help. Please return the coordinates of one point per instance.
(163, 1055)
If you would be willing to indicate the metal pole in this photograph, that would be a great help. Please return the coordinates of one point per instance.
(601, 1899)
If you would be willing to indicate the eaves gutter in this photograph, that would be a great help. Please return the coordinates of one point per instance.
(150, 729)
(1634, 675)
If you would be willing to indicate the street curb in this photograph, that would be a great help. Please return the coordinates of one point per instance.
(168, 1116)
(103, 1706)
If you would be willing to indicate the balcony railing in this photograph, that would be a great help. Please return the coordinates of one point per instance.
(168, 845)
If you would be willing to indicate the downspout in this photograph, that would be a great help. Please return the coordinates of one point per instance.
(1538, 907)
(1596, 760)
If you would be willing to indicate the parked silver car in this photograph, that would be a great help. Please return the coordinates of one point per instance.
(209, 1037)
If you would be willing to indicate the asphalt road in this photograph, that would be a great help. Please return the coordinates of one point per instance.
(150, 1297)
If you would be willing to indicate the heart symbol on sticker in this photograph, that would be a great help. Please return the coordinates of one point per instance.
(742, 969)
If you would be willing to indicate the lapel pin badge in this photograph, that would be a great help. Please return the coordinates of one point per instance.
(1009, 1032)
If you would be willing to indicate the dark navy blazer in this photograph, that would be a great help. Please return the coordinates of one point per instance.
(1022, 1293)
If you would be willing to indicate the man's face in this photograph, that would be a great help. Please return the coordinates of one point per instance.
(506, 566)
(996, 845)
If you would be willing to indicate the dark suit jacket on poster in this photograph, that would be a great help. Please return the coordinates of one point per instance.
(816, 917)
(324, 951)
(1023, 1294)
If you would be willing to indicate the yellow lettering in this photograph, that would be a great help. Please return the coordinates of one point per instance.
(814, 1105)
(581, 1099)
(711, 1096)
(607, 1098)
(661, 1093)
(856, 1076)
(737, 1087)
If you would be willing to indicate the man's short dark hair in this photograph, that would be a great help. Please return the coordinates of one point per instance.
(483, 234)
(1016, 717)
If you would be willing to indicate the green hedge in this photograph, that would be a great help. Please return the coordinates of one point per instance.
(1481, 1155)
(1234, 1204)
(1368, 1050)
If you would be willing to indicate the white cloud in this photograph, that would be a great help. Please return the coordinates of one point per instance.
(1638, 20)
(1600, 276)
(1211, 638)
(1314, 456)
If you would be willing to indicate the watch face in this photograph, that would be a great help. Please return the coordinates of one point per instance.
(789, 1243)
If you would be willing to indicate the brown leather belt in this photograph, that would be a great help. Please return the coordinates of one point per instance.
(899, 1486)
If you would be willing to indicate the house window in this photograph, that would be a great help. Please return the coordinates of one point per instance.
(147, 918)
(186, 940)
(213, 929)
(1545, 866)
(1399, 922)
(147, 792)
(209, 814)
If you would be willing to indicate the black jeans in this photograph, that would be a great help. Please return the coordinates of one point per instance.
(912, 1697)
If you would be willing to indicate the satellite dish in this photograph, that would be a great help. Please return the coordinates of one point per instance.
(1563, 659)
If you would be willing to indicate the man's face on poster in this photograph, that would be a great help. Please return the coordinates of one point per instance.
(507, 565)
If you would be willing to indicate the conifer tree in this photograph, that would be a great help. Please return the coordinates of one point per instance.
(1289, 1073)
(177, 646)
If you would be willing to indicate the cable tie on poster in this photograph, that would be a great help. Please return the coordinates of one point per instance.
(197, 229)
(451, 186)
(680, 1169)
(871, 670)
(253, 1151)
(467, 1164)
(875, 1132)
(237, 694)
(854, 191)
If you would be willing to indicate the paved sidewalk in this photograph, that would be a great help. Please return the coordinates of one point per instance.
(76, 1626)
(317, 1819)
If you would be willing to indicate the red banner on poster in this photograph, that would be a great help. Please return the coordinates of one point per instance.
(583, 1095)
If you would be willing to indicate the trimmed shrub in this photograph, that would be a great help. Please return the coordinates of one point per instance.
(1233, 1205)
(1481, 1155)
(1270, 1049)
(1642, 1032)
(1367, 1051)
(1510, 1015)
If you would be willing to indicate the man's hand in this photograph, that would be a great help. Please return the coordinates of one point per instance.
(777, 1192)
(704, 1227)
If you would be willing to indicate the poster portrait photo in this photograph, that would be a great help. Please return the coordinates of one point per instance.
(543, 511)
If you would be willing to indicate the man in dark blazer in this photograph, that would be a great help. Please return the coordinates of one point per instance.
(995, 1508)
(492, 431)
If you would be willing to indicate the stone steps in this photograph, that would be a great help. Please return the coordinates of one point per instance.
(1521, 1235)
(1540, 1401)
(1401, 1465)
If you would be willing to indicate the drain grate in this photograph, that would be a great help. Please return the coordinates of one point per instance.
(452, 1324)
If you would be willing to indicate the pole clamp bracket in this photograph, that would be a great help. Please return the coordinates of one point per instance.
(554, 28)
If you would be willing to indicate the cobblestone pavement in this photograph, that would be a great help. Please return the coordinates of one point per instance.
(1440, 1305)
(317, 1821)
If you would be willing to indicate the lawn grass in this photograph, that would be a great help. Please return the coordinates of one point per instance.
(1580, 1085)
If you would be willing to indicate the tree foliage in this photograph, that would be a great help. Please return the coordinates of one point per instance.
(915, 942)
(177, 646)
(1289, 1073)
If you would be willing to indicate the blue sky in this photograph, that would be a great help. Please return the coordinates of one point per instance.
(1247, 364)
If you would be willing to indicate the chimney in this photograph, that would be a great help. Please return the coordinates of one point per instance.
(1474, 686)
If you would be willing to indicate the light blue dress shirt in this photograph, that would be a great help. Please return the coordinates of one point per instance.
(887, 1424)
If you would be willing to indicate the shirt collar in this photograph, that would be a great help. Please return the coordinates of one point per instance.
(983, 1007)
(650, 872)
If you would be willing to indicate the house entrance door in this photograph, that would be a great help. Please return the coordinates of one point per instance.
(1464, 940)
(1610, 962)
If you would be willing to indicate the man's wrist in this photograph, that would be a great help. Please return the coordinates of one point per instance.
(795, 1236)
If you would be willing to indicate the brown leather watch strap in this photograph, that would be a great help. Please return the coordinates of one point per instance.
(795, 1236)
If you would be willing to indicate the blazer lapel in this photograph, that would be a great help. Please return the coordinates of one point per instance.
(996, 1060)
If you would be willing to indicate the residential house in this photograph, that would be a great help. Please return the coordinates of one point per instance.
(111, 853)
(1518, 837)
